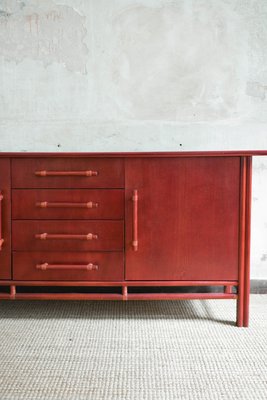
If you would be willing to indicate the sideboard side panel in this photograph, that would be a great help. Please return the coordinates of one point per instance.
(247, 242)
(5, 252)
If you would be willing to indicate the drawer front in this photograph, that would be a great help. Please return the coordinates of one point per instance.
(68, 204)
(68, 266)
(67, 235)
(67, 173)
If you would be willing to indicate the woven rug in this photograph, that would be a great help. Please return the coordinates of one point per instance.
(132, 350)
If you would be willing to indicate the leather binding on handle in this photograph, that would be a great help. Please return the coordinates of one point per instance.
(45, 236)
(86, 267)
(135, 220)
(47, 204)
(66, 173)
(1, 239)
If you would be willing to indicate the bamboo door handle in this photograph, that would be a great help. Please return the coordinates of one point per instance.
(88, 173)
(46, 236)
(135, 220)
(47, 204)
(87, 267)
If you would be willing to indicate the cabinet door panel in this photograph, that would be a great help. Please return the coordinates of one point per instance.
(5, 252)
(188, 218)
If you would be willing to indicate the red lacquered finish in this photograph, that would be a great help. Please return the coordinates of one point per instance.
(66, 173)
(247, 243)
(61, 296)
(1, 238)
(135, 220)
(113, 296)
(60, 266)
(48, 236)
(68, 204)
(180, 296)
(188, 217)
(86, 267)
(121, 283)
(52, 235)
(242, 227)
(47, 204)
(110, 173)
(5, 220)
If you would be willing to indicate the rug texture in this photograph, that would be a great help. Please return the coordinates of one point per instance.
(153, 350)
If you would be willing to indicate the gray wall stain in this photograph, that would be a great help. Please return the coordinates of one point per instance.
(47, 32)
(256, 89)
(10, 7)
(4, 14)
(177, 62)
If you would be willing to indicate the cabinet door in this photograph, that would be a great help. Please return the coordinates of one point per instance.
(187, 218)
(5, 248)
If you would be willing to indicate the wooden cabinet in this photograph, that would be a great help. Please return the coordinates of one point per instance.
(116, 226)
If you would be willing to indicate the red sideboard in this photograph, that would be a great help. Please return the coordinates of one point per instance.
(126, 226)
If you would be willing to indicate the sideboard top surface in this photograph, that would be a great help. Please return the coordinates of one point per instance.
(233, 153)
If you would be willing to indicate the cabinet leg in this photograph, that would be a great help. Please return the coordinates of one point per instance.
(12, 291)
(239, 311)
(246, 304)
(228, 289)
(247, 249)
(124, 292)
(240, 305)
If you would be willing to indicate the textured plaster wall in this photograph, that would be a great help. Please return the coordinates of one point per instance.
(118, 75)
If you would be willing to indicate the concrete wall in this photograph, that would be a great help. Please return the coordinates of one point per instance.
(118, 75)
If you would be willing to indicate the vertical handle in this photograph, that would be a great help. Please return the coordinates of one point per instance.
(135, 220)
(1, 239)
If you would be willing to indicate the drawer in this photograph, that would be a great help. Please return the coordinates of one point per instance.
(67, 173)
(68, 204)
(64, 235)
(55, 266)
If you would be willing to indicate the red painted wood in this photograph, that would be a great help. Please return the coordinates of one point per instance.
(188, 217)
(1, 220)
(110, 203)
(228, 289)
(135, 220)
(110, 266)
(109, 235)
(74, 267)
(110, 173)
(5, 252)
(65, 236)
(136, 154)
(247, 243)
(124, 292)
(115, 296)
(62, 296)
(117, 283)
(13, 291)
(242, 227)
(179, 296)
(87, 173)
(191, 216)
(50, 204)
